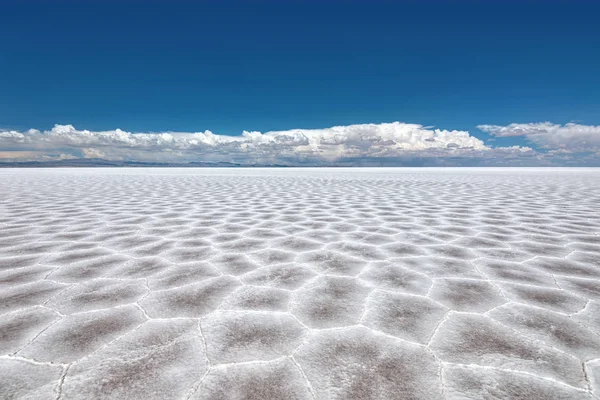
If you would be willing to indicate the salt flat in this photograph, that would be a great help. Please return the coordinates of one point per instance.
(300, 283)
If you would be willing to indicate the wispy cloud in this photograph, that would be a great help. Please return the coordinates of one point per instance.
(569, 137)
(394, 140)
(16, 155)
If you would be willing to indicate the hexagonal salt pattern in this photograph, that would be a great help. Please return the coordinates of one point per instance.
(300, 284)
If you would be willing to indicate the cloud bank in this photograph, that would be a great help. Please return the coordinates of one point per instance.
(330, 146)
(570, 137)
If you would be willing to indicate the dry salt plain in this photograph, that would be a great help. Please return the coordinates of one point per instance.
(300, 284)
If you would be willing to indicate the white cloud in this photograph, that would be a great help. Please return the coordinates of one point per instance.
(571, 136)
(92, 153)
(310, 146)
(19, 155)
(16, 155)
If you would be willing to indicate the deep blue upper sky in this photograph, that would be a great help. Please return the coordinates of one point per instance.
(230, 66)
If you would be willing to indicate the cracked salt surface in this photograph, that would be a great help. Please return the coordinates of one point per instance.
(300, 283)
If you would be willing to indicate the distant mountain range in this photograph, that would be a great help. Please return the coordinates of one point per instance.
(347, 162)
(98, 163)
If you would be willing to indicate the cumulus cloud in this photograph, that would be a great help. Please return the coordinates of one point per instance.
(19, 155)
(569, 137)
(16, 156)
(394, 140)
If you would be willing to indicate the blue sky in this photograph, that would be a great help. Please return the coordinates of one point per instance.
(230, 67)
